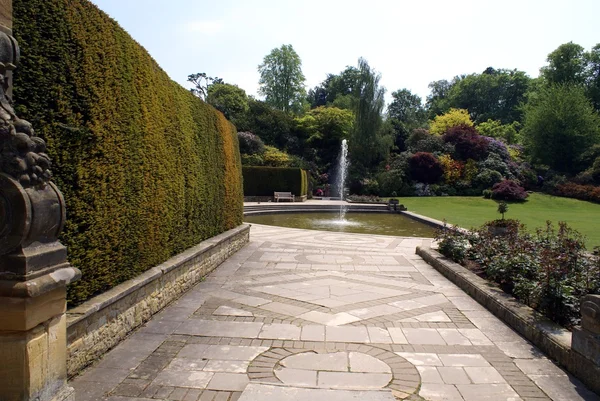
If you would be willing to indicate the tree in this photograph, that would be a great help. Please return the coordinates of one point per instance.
(336, 89)
(453, 118)
(228, 99)
(559, 125)
(370, 141)
(406, 112)
(201, 83)
(593, 76)
(274, 127)
(493, 94)
(566, 65)
(281, 79)
(437, 101)
(325, 128)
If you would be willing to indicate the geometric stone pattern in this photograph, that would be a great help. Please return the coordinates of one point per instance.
(307, 315)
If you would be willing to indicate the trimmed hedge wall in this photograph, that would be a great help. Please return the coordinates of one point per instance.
(263, 181)
(147, 169)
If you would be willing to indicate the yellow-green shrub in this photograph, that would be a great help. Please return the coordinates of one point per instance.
(146, 168)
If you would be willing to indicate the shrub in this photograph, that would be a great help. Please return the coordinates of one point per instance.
(596, 170)
(424, 167)
(487, 193)
(549, 271)
(274, 157)
(420, 140)
(364, 198)
(583, 192)
(486, 178)
(453, 118)
(453, 169)
(147, 169)
(468, 144)
(263, 181)
(250, 144)
(509, 190)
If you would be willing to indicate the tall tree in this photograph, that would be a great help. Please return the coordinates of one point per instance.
(493, 94)
(281, 79)
(406, 112)
(437, 100)
(369, 141)
(560, 124)
(566, 64)
(336, 89)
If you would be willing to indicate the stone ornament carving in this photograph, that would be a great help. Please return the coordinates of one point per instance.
(21, 152)
(590, 313)
(32, 209)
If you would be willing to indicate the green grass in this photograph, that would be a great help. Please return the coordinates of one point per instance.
(471, 212)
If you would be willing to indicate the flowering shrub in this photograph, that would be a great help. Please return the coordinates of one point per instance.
(424, 167)
(582, 192)
(549, 270)
(509, 190)
(497, 147)
(423, 190)
(468, 144)
(250, 144)
(453, 169)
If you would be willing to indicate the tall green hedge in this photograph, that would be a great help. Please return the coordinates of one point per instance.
(147, 169)
(263, 181)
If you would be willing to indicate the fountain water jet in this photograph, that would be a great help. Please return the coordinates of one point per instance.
(341, 179)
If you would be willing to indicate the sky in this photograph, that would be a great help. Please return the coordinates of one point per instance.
(410, 43)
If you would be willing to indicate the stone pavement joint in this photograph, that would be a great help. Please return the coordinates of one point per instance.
(305, 315)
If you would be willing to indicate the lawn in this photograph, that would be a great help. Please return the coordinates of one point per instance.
(470, 212)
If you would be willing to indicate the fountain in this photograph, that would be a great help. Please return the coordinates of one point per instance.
(341, 178)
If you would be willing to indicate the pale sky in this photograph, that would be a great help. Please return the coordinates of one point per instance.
(411, 43)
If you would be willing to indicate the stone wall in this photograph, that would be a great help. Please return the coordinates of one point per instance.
(101, 323)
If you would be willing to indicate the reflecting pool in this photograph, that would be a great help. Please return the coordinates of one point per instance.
(364, 223)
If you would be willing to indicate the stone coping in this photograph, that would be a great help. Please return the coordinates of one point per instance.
(111, 296)
(551, 338)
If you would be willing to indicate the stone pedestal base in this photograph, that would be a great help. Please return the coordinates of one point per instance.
(33, 362)
(587, 344)
(66, 394)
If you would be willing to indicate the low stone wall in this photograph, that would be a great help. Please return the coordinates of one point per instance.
(101, 323)
(552, 339)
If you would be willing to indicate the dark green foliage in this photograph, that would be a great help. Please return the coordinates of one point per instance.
(560, 124)
(250, 144)
(263, 181)
(549, 271)
(147, 169)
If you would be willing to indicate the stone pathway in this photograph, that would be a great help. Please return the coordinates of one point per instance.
(308, 316)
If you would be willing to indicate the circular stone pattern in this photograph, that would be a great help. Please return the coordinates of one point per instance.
(336, 370)
(337, 366)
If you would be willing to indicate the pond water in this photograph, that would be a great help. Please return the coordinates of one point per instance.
(363, 223)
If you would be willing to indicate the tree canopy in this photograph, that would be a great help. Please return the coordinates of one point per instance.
(281, 79)
(559, 125)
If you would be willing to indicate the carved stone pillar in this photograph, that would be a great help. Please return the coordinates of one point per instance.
(586, 339)
(34, 271)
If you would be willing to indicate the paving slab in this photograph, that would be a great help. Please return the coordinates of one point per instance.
(256, 392)
(305, 315)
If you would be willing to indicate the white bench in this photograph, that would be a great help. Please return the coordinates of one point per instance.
(283, 195)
